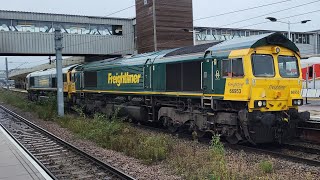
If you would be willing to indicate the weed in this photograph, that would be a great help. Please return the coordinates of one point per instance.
(99, 117)
(79, 110)
(45, 109)
(218, 159)
(194, 136)
(266, 166)
(115, 134)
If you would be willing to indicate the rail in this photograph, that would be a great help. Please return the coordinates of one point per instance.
(41, 136)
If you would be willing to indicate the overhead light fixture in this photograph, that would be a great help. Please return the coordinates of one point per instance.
(272, 19)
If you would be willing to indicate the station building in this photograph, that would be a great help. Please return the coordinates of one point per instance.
(307, 42)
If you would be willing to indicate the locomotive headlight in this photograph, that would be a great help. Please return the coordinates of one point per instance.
(264, 103)
(260, 103)
(276, 50)
(297, 102)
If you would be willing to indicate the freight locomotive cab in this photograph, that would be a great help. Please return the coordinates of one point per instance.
(262, 82)
(246, 89)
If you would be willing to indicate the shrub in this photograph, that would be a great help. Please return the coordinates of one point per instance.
(115, 134)
(266, 166)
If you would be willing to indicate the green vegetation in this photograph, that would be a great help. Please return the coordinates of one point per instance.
(44, 109)
(218, 162)
(116, 135)
(195, 163)
(266, 166)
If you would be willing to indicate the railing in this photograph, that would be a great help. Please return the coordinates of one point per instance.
(310, 93)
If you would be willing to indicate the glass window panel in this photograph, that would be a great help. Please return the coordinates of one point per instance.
(300, 38)
(288, 66)
(4, 25)
(242, 33)
(262, 65)
(219, 32)
(237, 68)
(44, 26)
(304, 40)
(226, 68)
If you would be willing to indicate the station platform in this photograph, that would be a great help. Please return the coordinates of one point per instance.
(313, 107)
(15, 163)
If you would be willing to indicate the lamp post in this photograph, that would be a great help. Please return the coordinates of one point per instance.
(273, 19)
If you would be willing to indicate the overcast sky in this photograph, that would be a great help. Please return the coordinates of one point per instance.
(201, 8)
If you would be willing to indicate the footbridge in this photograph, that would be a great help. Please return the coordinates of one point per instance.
(32, 34)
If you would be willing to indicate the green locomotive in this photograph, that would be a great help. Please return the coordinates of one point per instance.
(245, 89)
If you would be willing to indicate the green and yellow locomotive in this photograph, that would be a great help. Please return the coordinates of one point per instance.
(245, 89)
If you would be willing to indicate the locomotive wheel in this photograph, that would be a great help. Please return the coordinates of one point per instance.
(232, 139)
(168, 123)
(172, 128)
(199, 133)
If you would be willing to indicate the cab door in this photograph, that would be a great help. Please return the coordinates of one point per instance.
(207, 72)
(147, 75)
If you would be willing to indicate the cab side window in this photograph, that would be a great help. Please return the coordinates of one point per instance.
(232, 68)
(73, 77)
(64, 77)
(226, 68)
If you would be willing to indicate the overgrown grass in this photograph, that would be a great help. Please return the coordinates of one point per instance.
(116, 135)
(45, 109)
(196, 163)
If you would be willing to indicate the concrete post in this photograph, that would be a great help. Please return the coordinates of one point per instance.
(7, 74)
(58, 47)
(289, 31)
(317, 43)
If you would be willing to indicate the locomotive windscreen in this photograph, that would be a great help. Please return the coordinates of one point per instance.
(90, 79)
(183, 76)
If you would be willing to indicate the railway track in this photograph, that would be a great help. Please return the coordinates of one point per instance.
(58, 158)
(299, 154)
(311, 131)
